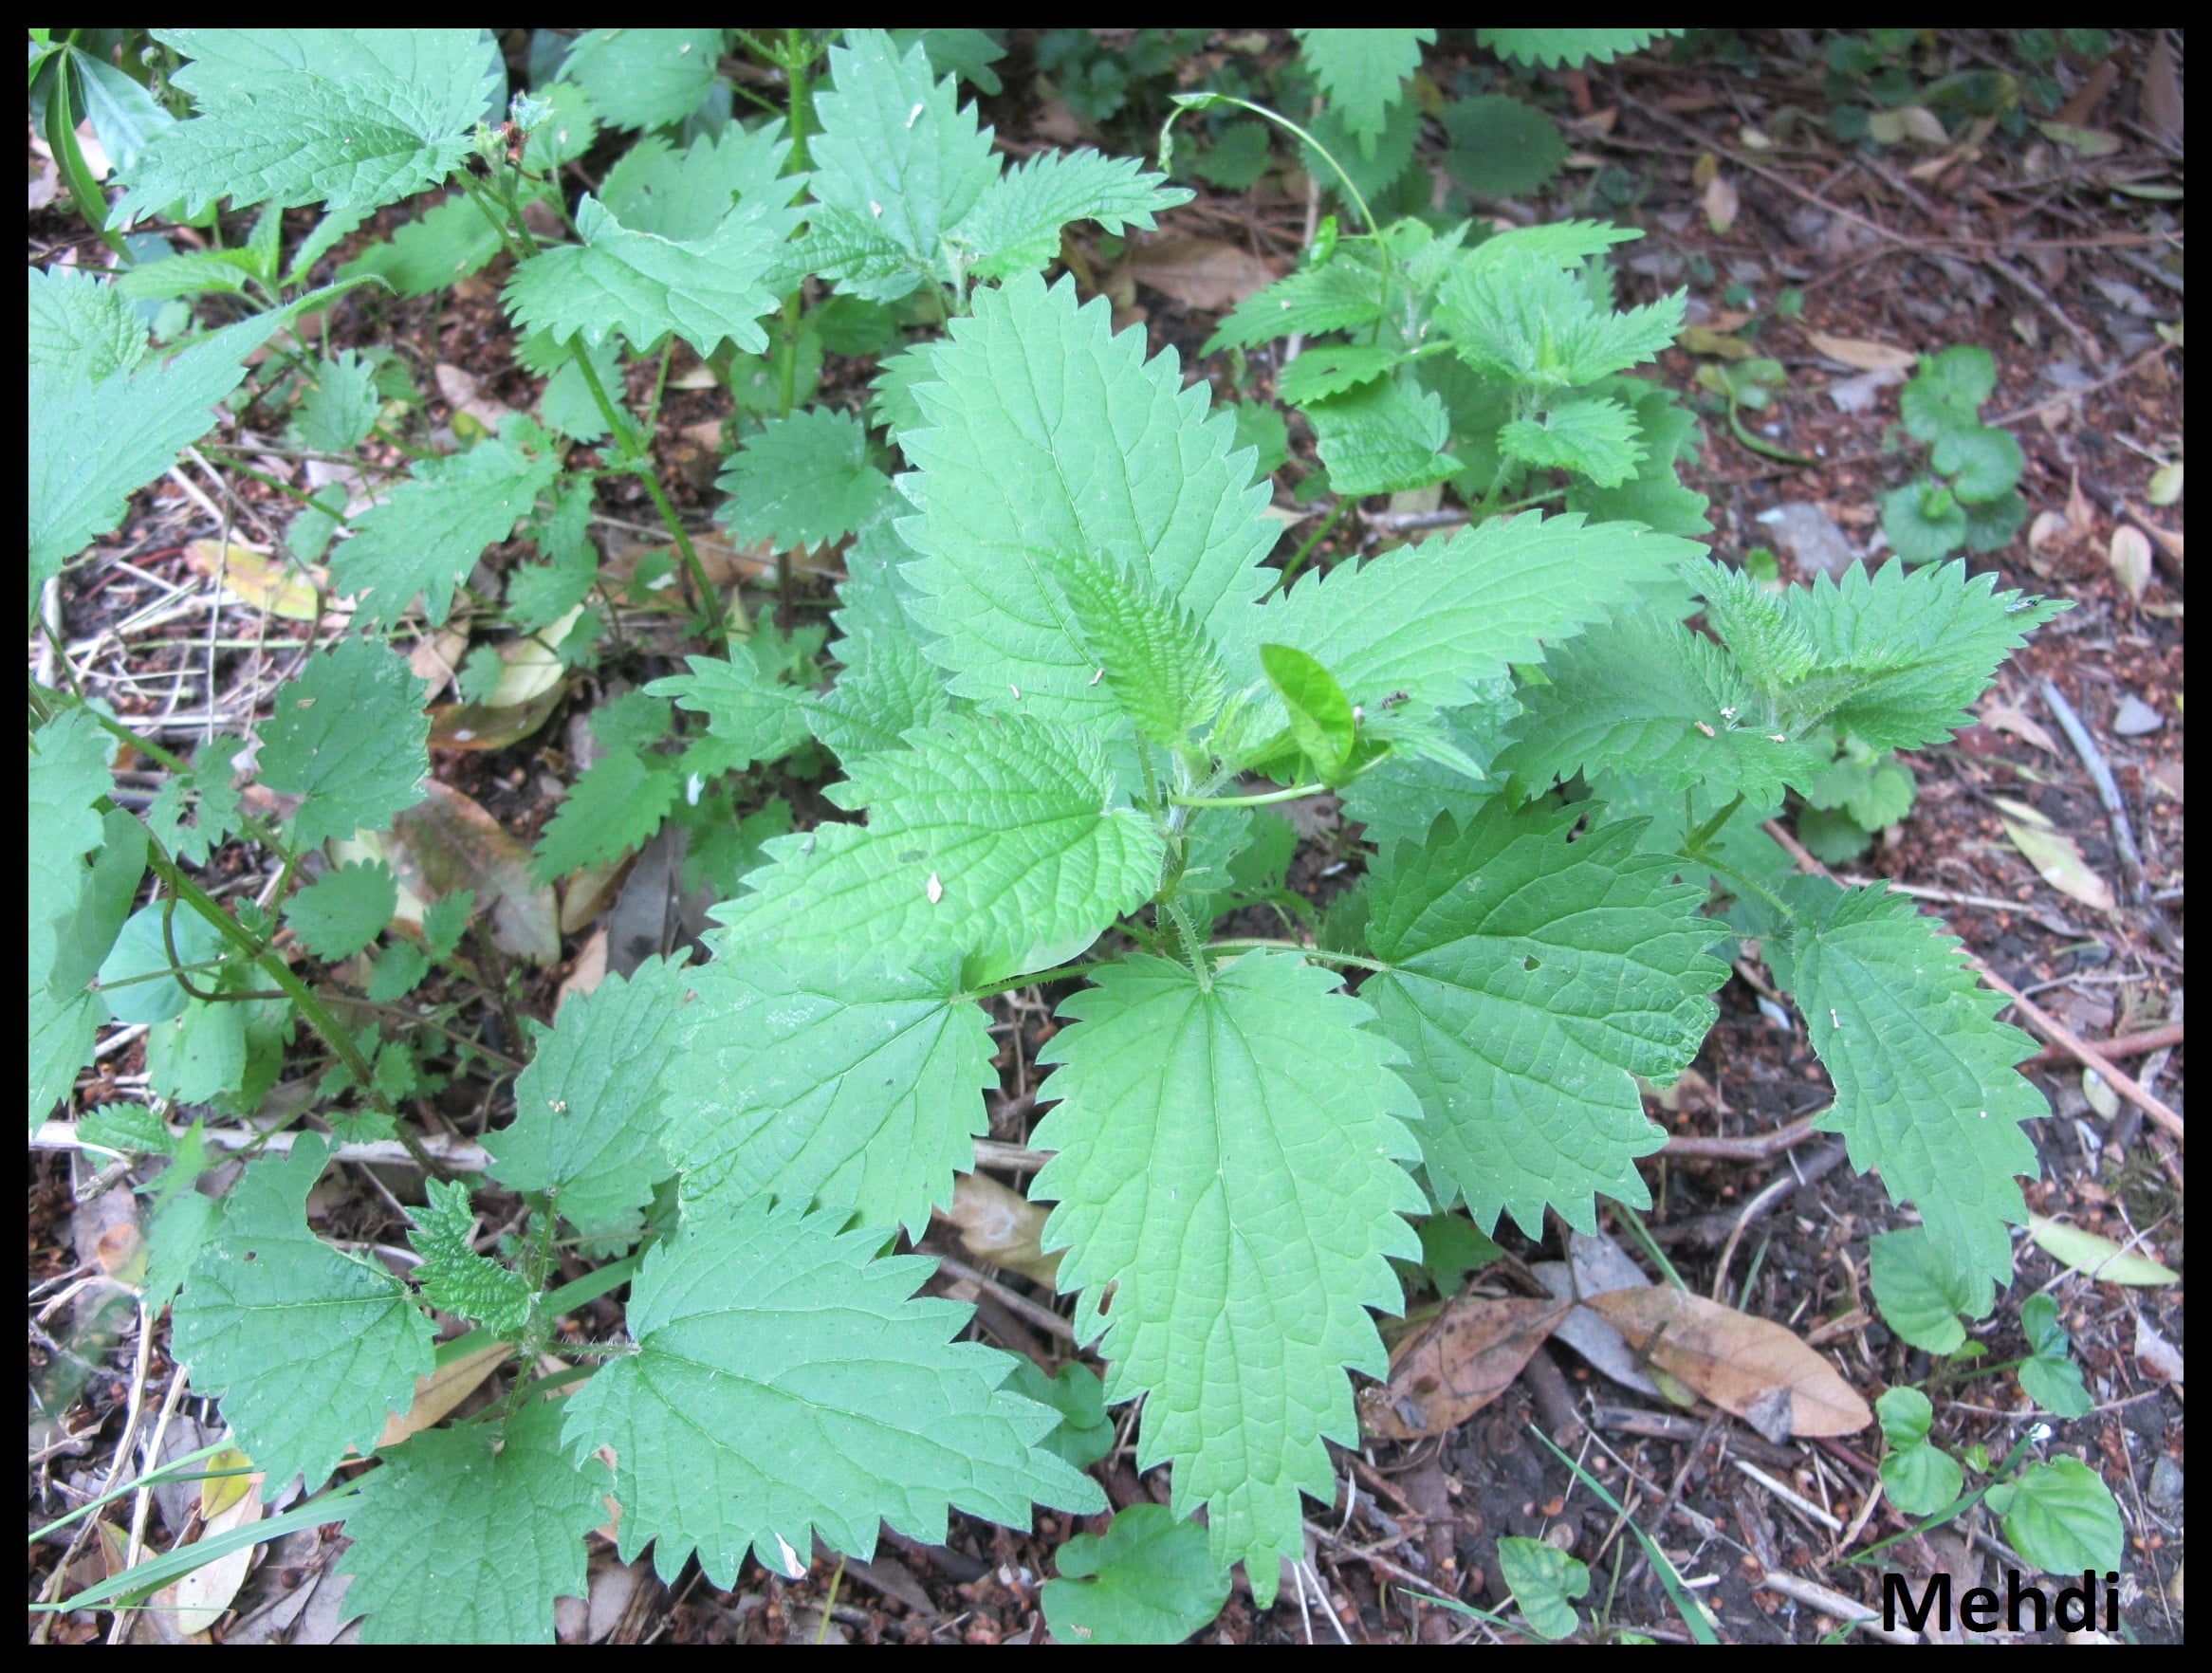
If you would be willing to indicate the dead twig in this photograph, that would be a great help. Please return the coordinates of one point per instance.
(2100, 774)
(1747, 1149)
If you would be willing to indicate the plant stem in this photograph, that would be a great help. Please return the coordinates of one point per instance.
(1262, 801)
(1239, 943)
(1289, 571)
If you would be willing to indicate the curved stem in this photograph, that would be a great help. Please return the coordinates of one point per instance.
(1262, 801)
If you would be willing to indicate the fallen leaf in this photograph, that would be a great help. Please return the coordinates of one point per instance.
(2004, 718)
(2087, 142)
(1594, 1264)
(1710, 340)
(586, 973)
(2129, 553)
(447, 842)
(2096, 1256)
(1747, 1366)
(1721, 203)
(1203, 273)
(2054, 855)
(1863, 354)
(999, 1225)
(1465, 1357)
(2155, 1354)
(528, 690)
(436, 1395)
(1922, 125)
(2165, 484)
(199, 1599)
(275, 586)
(1857, 396)
(2158, 106)
(2102, 1098)
(462, 393)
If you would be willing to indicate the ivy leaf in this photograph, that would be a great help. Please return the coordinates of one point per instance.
(1925, 1089)
(1363, 72)
(1919, 1479)
(309, 1348)
(1015, 226)
(1920, 1293)
(343, 911)
(1982, 462)
(1947, 392)
(1383, 437)
(644, 78)
(1085, 1433)
(1500, 146)
(786, 1383)
(349, 735)
(1045, 435)
(706, 290)
(588, 1117)
(1533, 978)
(1542, 1579)
(1924, 520)
(1150, 1580)
(847, 1083)
(430, 533)
(2048, 1375)
(1646, 696)
(616, 806)
(1229, 1164)
(454, 1277)
(356, 119)
(803, 481)
(1593, 438)
(998, 836)
(1437, 620)
(467, 1535)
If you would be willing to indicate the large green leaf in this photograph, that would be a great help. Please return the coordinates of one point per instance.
(988, 834)
(349, 735)
(1046, 435)
(310, 1347)
(466, 1535)
(356, 119)
(848, 1083)
(787, 1383)
(80, 325)
(1229, 1183)
(1363, 72)
(1925, 1089)
(68, 772)
(1437, 620)
(1342, 295)
(888, 687)
(644, 78)
(1533, 978)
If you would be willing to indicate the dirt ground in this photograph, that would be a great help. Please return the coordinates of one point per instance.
(2067, 267)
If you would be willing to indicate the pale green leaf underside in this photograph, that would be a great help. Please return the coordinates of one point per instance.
(1437, 620)
(349, 735)
(787, 1382)
(1045, 435)
(847, 1084)
(1532, 979)
(430, 533)
(309, 1348)
(1647, 697)
(1230, 1160)
(998, 836)
(587, 1124)
(1383, 437)
(645, 286)
(1925, 1089)
(1363, 71)
(467, 1535)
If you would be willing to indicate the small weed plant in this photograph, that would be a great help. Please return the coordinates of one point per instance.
(1063, 689)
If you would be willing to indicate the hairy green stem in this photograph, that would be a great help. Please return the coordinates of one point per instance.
(1247, 943)
(1261, 800)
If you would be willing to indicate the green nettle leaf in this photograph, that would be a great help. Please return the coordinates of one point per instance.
(1371, 165)
(455, 1278)
(1321, 719)
(1646, 696)
(684, 194)
(340, 406)
(589, 1119)
(889, 686)
(1158, 662)
(69, 761)
(616, 806)
(993, 836)
(747, 704)
(309, 1348)
(80, 326)
(1343, 295)
(1230, 1164)
(1947, 392)
(127, 1129)
(356, 119)
(785, 1382)
(1437, 620)
(1363, 72)
(1502, 147)
(341, 912)
(1398, 798)
(430, 533)
(1551, 48)
(1594, 438)
(1015, 226)
(644, 78)
(1925, 1089)
(706, 290)
(1519, 315)
(350, 736)
(2061, 1516)
(1331, 368)
(1655, 496)
(1383, 437)
(1150, 1580)
(467, 1535)
(1046, 433)
(1772, 647)
(804, 481)
(845, 1083)
(438, 247)
(899, 160)
(1533, 978)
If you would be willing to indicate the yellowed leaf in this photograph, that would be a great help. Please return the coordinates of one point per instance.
(1464, 1358)
(1721, 203)
(2129, 553)
(999, 1225)
(2056, 860)
(1708, 339)
(1747, 1366)
(2002, 717)
(260, 580)
(1863, 354)
(1206, 274)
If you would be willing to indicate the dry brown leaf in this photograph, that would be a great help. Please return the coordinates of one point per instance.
(2054, 855)
(260, 580)
(1863, 354)
(2158, 106)
(199, 1599)
(1203, 273)
(1467, 1357)
(438, 1395)
(447, 842)
(586, 973)
(1747, 1366)
(1721, 203)
(2002, 717)
(2129, 553)
(999, 1225)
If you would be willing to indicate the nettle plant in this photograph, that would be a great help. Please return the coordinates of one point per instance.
(1067, 687)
